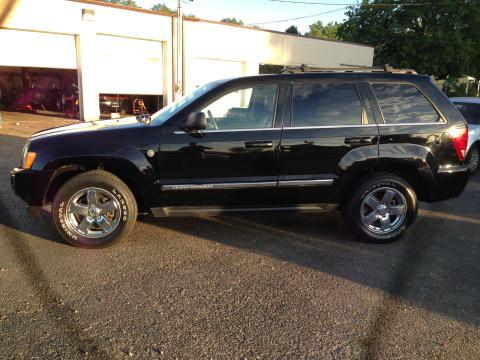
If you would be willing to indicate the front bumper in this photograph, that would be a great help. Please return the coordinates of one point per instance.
(30, 185)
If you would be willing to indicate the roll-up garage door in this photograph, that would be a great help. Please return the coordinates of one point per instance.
(32, 49)
(206, 70)
(129, 66)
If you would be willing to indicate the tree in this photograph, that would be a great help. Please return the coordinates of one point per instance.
(130, 3)
(232, 20)
(292, 30)
(328, 31)
(163, 8)
(440, 40)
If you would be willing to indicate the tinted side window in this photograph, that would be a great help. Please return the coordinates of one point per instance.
(403, 103)
(322, 104)
(471, 112)
(247, 108)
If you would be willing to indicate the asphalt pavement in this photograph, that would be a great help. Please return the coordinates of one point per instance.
(263, 286)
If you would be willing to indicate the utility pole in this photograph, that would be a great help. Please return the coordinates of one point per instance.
(179, 85)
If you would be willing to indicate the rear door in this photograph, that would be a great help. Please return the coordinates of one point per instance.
(410, 126)
(330, 129)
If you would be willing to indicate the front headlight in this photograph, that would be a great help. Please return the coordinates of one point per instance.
(28, 157)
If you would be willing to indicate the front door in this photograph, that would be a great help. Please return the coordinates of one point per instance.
(233, 162)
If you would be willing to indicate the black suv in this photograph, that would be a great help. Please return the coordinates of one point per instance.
(370, 143)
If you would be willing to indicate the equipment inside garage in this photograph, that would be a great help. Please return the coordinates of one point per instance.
(127, 104)
(129, 75)
(39, 90)
(55, 92)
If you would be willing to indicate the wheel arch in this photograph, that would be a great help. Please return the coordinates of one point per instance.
(476, 144)
(415, 171)
(67, 168)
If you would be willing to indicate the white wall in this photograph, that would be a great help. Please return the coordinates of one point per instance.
(208, 45)
(64, 16)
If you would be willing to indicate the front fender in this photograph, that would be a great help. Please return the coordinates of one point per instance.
(136, 172)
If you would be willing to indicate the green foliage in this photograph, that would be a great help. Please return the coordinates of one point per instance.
(292, 30)
(459, 87)
(232, 20)
(328, 31)
(440, 40)
(130, 3)
(163, 8)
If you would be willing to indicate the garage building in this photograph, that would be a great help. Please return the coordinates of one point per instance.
(109, 58)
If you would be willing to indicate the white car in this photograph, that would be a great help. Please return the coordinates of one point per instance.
(470, 109)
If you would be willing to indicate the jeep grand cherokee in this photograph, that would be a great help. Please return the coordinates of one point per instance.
(368, 142)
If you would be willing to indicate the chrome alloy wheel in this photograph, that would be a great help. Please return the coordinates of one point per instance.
(92, 213)
(383, 210)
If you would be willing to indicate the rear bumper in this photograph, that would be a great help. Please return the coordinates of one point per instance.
(451, 181)
(30, 185)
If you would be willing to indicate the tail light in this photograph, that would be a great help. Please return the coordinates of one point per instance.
(459, 136)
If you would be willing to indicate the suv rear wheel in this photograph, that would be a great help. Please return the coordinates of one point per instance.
(381, 208)
(94, 209)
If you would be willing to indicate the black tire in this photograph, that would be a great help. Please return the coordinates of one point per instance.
(473, 159)
(354, 213)
(107, 227)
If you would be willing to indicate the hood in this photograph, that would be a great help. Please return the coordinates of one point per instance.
(89, 126)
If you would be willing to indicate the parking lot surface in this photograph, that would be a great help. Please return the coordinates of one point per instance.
(269, 286)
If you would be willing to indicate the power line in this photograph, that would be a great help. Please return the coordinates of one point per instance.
(344, 5)
(369, 4)
(300, 17)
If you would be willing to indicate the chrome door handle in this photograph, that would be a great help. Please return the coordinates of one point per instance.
(358, 140)
(258, 144)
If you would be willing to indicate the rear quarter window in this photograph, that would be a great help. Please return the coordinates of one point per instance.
(471, 112)
(403, 104)
(325, 104)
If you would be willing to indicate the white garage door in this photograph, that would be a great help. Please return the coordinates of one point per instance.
(30, 49)
(206, 70)
(129, 66)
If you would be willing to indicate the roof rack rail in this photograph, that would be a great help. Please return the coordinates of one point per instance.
(306, 69)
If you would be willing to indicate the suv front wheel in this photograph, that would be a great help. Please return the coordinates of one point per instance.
(381, 208)
(94, 209)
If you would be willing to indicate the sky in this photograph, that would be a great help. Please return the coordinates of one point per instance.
(258, 11)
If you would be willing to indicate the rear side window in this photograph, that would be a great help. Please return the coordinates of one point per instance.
(471, 112)
(404, 103)
(326, 104)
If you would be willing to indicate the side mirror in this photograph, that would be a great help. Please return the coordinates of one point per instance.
(195, 122)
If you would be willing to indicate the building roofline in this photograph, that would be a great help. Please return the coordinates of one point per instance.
(123, 7)
(274, 31)
(153, 12)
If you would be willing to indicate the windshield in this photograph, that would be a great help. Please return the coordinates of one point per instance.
(167, 112)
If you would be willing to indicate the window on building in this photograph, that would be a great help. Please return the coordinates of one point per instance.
(324, 104)
(246, 108)
(404, 103)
